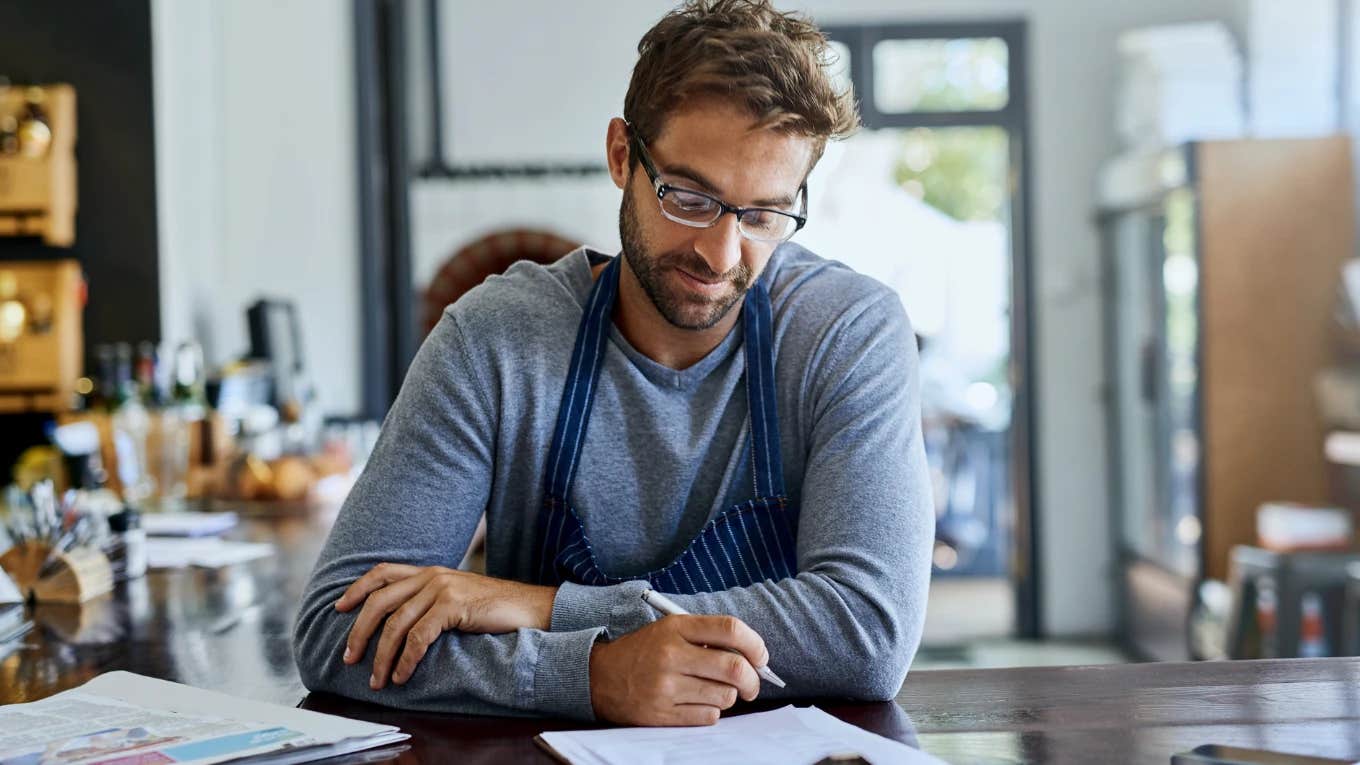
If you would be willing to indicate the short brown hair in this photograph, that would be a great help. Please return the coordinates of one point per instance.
(771, 63)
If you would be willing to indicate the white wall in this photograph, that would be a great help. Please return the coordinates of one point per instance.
(573, 60)
(188, 164)
(256, 163)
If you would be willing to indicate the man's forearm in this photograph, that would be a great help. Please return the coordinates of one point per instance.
(525, 672)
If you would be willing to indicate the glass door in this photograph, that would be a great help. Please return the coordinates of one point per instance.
(1155, 370)
(927, 198)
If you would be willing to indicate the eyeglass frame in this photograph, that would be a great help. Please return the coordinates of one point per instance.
(661, 188)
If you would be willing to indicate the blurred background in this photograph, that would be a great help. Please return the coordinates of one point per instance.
(1125, 233)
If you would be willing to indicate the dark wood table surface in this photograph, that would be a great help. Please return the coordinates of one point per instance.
(228, 630)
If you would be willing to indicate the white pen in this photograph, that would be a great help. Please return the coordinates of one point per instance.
(667, 606)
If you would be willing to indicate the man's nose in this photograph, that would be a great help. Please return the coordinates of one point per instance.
(720, 244)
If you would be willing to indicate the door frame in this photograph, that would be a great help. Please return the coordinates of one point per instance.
(1014, 118)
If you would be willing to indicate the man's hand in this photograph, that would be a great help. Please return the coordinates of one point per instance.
(674, 671)
(421, 603)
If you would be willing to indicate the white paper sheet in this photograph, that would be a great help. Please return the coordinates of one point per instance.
(210, 552)
(171, 524)
(786, 736)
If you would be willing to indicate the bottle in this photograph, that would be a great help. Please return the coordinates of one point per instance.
(105, 393)
(126, 548)
(182, 414)
(1312, 632)
(131, 424)
(188, 374)
(1266, 618)
(146, 374)
(35, 135)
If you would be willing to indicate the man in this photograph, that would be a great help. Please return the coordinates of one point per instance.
(716, 414)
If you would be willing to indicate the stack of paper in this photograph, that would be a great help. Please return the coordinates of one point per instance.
(177, 540)
(187, 524)
(787, 735)
(124, 717)
(164, 552)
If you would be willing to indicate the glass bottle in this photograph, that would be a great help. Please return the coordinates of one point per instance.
(131, 424)
(179, 417)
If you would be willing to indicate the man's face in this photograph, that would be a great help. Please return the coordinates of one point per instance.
(694, 276)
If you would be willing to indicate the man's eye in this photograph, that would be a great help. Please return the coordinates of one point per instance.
(762, 219)
(690, 202)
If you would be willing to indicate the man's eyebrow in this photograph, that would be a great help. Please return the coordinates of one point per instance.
(690, 173)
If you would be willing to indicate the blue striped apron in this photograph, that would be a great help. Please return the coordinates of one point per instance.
(745, 544)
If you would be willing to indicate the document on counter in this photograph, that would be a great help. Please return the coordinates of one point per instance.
(780, 737)
(171, 524)
(209, 552)
(123, 717)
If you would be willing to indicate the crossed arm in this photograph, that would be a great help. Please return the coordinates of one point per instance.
(401, 627)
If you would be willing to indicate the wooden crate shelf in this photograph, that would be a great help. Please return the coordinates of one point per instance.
(38, 194)
(39, 370)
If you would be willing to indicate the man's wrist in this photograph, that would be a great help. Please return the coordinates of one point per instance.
(594, 673)
(542, 601)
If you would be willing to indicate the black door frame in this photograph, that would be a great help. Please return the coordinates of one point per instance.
(1014, 118)
(388, 341)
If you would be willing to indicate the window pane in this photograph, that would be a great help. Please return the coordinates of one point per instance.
(970, 74)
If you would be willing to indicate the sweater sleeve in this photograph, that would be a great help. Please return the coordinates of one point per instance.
(849, 623)
(418, 502)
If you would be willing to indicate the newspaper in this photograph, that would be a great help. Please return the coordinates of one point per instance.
(124, 719)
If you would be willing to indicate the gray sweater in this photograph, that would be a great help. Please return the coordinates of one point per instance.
(666, 450)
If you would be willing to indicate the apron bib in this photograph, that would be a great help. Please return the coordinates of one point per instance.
(748, 543)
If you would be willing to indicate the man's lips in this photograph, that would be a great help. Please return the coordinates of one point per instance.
(701, 285)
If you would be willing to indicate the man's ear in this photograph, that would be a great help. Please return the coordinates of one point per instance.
(616, 151)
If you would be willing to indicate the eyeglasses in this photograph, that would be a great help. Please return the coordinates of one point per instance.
(699, 210)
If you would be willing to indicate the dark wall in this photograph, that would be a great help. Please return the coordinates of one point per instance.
(103, 48)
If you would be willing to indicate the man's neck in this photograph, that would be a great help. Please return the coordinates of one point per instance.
(648, 331)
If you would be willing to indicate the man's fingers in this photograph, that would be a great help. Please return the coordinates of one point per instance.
(418, 641)
(697, 690)
(376, 607)
(723, 632)
(720, 666)
(394, 634)
(693, 714)
(377, 577)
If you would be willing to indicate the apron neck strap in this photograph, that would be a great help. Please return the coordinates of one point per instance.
(758, 324)
(578, 394)
(587, 358)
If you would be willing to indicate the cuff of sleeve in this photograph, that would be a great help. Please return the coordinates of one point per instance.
(562, 674)
(617, 608)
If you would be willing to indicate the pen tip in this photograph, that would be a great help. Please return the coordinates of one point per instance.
(771, 677)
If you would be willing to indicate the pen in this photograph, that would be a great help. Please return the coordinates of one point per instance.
(667, 606)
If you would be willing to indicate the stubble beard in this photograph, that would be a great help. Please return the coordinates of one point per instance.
(681, 310)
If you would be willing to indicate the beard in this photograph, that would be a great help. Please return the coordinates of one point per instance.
(657, 273)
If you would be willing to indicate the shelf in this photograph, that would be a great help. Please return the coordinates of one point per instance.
(38, 194)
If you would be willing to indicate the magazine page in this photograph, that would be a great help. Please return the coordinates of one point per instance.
(76, 727)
